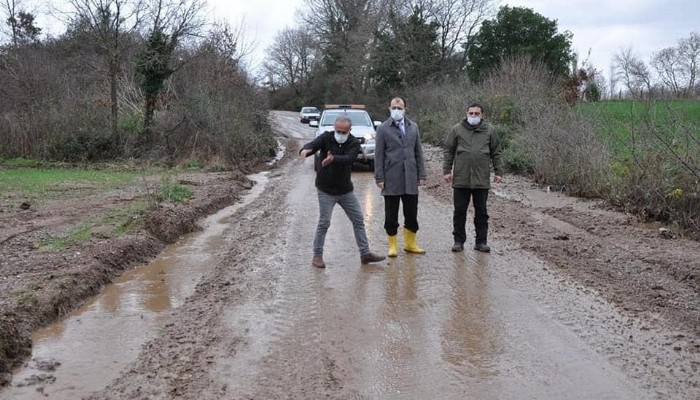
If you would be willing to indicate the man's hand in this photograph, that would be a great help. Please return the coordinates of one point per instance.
(447, 178)
(421, 182)
(304, 153)
(327, 160)
(497, 179)
(380, 185)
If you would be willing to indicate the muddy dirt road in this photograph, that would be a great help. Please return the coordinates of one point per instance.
(574, 302)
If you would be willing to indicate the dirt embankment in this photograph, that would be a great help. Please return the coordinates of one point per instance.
(38, 285)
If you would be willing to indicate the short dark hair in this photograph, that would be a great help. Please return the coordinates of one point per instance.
(405, 104)
(477, 105)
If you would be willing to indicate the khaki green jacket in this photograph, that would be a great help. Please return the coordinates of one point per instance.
(468, 152)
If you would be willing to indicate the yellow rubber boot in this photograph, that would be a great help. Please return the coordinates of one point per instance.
(411, 245)
(393, 247)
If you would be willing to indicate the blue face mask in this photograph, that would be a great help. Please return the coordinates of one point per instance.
(340, 138)
(396, 115)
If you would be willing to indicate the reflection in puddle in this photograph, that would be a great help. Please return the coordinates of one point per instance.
(470, 342)
(89, 347)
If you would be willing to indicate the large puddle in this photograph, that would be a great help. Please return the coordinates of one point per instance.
(88, 348)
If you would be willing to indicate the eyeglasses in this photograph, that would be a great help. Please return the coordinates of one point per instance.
(342, 132)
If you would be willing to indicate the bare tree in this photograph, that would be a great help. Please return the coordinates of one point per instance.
(290, 58)
(689, 58)
(633, 72)
(457, 21)
(345, 31)
(669, 69)
(171, 22)
(612, 80)
(10, 9)
(18, 22)
(335, 21)
(108, 22)
(677, 67)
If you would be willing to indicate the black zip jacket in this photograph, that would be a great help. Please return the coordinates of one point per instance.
(334, 178)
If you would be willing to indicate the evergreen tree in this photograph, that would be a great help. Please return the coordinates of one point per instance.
(406, 55)
(519, 31)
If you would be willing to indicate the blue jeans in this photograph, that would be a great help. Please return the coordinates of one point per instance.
(348, 202)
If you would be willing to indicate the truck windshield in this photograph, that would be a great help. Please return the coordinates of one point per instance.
(357, 118)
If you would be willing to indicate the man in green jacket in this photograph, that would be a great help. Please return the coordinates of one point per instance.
(470, 147)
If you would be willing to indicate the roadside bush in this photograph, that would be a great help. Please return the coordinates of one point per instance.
(51, 103)
(131, 124)
(172, 192)
(436, 108)
(54, 108)
(227, 117)
(84, 146)
(555, 145)
(514, 156)
(540, 134)
(646, 160)
(656, 168)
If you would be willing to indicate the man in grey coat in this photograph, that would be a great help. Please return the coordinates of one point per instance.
(470, 148)
(399, 170)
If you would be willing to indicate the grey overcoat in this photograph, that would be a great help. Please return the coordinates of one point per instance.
(398, 163)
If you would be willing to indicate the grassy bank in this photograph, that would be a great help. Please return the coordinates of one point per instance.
(625, 124)
(28, 186)
(654, 166)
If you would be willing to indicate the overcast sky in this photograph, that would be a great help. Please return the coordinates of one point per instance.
(603, 26)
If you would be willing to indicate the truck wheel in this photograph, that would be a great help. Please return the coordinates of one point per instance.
(370, 164)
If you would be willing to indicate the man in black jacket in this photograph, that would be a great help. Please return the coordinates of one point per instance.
(338, 150)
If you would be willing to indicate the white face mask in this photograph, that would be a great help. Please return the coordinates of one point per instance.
(397, 115)
(473, 121)
(341, 138)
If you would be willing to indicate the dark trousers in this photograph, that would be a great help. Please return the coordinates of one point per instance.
(481, 216)
(391, 213)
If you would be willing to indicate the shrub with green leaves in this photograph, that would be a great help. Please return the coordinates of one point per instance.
(174, 193)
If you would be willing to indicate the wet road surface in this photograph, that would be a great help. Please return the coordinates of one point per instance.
(439, 325)
(266, 324)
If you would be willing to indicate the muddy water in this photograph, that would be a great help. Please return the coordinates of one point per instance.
(88, 348)
(439, 325)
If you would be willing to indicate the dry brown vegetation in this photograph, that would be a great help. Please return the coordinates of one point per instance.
(56, 102)
(646, 164)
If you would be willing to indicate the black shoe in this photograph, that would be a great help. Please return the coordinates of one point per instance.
(482, 247)
(370, 258)
(457, 247)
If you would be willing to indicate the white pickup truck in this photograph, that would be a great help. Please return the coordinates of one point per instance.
(362, 127)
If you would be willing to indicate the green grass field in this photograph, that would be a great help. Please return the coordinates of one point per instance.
(658, 111)
(620, 123)
(25, 181)
(47, 183)
(34, 182)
